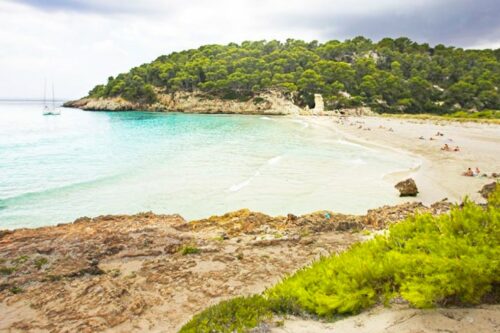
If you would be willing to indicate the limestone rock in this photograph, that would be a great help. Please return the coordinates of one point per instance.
(319, 104)
(271, 102)
(407, 188)
(487, 190)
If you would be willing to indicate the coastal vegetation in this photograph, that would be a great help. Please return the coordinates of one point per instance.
(390, 76)
(485, 116)
(425, 261)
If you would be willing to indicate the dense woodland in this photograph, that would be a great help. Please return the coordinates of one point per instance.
(393, 75)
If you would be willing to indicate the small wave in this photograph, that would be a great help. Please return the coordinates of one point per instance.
(348, 143)
(265, 118)
(239, 186)
(59, 190)
(274, 160)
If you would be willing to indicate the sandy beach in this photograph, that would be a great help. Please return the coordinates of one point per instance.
(439, 175)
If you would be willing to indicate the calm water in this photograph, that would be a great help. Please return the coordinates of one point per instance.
(54, 169)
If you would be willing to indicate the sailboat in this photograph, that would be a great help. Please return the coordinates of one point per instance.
(49, 111)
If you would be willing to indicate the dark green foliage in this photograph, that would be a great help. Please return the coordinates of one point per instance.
(235, 315)
(16, 290)
(427, 260)
(393, 75)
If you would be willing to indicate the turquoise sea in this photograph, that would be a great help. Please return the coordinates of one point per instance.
(54, 169)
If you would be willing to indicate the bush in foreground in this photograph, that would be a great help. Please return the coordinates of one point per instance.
(427, 260)
(230, 316)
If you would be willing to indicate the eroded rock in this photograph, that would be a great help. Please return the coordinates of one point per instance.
(407, 188)
(488, 189)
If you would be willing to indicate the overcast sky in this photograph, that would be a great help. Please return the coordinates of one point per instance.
(79, 43)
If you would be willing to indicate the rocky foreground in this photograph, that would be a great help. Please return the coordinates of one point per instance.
(150, 272)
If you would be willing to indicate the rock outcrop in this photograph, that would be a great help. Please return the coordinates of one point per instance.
(270, 102)
(407, 188)
(319, 104)
(149, 272)
(487, 190)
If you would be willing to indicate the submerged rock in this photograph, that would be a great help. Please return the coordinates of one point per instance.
(407, 188)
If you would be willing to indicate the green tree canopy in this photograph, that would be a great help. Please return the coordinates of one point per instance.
(393, 75)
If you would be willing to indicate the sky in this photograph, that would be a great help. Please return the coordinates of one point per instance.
(76, 44)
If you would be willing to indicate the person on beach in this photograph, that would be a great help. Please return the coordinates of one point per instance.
(457, 148)
(421, 137)
(477, 172)
(446, 148)
(468, 173)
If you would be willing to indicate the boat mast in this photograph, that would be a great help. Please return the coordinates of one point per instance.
(53, 98)
(45, 92)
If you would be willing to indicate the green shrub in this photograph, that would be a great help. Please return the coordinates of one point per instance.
(4, 270)
(426, 260)
(235, 315)
(16, 290)
(20, 260)
(258, 100)
(185, 250)
(40, 262)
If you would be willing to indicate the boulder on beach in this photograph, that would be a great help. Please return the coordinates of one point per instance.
(487, 190)
(407, 188)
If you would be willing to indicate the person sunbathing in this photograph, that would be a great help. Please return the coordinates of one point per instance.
(468, 173)
(457, 148)
(477, 172)
(446, 147)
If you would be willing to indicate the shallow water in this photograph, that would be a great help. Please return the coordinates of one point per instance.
(54, 169)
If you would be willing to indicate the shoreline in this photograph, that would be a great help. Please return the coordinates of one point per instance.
(439, 174)
(431, 173)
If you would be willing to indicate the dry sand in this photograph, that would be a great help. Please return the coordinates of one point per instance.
(484, 319)
(440, 172)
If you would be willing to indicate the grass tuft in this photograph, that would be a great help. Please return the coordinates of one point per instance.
(185, 250)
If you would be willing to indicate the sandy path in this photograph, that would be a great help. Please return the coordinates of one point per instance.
(440, 173)
(381, 320)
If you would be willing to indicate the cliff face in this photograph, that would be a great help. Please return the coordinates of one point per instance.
(269, 102)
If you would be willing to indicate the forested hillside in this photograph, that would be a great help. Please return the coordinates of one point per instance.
(393, 75)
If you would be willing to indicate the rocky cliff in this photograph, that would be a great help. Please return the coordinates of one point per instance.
(269, 102)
